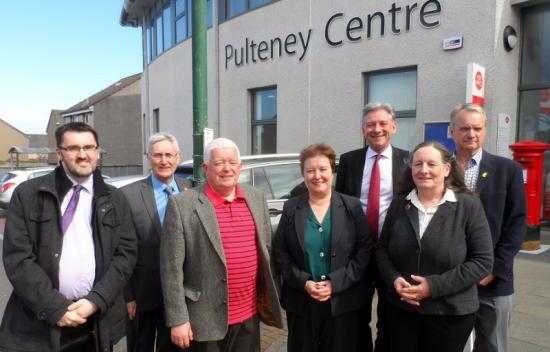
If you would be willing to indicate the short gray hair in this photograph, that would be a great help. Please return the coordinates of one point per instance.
(219, 143)
(162, 136)
(468, 107)
(371, 107)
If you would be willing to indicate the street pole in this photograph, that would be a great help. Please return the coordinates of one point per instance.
(200, 91)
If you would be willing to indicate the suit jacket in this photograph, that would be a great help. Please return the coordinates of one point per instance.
(502, 193)
(144, 285)
(32, 247)
(193, 268)
(454, 253)
(350, 170)
(351, 247)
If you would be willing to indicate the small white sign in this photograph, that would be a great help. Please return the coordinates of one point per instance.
(208, 134)
(503, 134)
(453, 43)
(475, 84)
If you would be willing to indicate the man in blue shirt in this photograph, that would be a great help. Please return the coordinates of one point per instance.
(148, 199)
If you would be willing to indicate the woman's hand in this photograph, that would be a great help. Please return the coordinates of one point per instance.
(320, 291)
(401, 286)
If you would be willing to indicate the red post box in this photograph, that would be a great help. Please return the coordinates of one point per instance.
(531, 157)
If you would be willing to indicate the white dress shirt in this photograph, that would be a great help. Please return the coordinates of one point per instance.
(77, 263)
(386, 182)
(426, 215)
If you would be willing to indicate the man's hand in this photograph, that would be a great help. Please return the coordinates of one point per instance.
(83, 308)
(131, 306)
(71, 319)
(401, 286)
(181, 335)
(487, 280)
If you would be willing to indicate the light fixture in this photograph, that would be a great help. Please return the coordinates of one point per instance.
(510, 38)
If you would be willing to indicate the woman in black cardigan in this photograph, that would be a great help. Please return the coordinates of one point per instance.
(434, 248)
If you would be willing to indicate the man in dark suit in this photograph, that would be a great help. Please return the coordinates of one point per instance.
(499, 183)
(354, 178)
(148, 199)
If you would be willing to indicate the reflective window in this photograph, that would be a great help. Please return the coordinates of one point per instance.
(167, 27)
(236, 7)
(232, 8)
(397, 88)
(260, 182)
(158, 29)
(264, 121)
(258, 3)
(536, 46)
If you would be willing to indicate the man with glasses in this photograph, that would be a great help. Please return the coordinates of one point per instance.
(214, 263)
(69, 249)
(148, 199)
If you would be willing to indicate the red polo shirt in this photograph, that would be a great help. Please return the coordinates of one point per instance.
(238, 235)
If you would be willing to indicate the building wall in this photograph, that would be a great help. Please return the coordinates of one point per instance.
(9, 137)
(55, 121)
(320, 97)
(118, 123)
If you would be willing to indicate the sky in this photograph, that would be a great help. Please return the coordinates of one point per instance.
(56, 53)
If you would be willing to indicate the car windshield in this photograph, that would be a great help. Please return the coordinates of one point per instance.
(7, 177)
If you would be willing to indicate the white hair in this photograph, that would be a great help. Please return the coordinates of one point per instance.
(219, 143)
(162, 136)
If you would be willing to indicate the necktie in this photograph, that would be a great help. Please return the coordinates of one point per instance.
(169, 190)
(71, 208)
(373, 205)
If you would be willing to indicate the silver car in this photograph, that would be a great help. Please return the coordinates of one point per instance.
(14, 178)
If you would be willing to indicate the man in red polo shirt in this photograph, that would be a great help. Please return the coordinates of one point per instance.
(215, 273)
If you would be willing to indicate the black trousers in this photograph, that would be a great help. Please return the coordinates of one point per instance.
(318, 331)
(78, 339)
(414, 332)
(242, 337)
(365, 332)
(147, 331)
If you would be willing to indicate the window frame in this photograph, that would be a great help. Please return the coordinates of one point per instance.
(255, 123)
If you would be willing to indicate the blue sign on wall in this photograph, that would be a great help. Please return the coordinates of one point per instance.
(438, 131)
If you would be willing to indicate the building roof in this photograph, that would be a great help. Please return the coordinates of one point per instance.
(13, 127)
(105, 93)
(38, 140)
(131, 11)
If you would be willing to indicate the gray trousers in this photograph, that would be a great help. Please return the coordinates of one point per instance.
(493, 324)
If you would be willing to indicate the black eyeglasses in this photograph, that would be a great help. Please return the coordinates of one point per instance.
(74, 149)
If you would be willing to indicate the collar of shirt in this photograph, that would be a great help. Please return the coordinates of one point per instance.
(159, 186)
(449, 196)
(88, 184)
(475, 159)
(387, 153)
(216, 199)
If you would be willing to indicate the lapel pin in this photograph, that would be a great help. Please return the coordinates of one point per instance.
(484, 174)
(407, 206)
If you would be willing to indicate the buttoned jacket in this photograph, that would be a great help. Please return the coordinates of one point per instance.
(193, 266)
(351, 247)
(454, 253)
(31, 252)
(144, 285)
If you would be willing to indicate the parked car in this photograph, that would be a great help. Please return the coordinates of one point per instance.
(13, 178)
(277, 175)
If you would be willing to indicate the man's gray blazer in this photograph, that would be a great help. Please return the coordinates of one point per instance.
(193, 268)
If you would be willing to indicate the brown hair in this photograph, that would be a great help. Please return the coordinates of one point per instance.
(315, 150)
(455, 180)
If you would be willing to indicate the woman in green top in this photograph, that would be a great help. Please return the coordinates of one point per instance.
(321, 251)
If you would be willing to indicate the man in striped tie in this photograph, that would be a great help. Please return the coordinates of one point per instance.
(215, 267)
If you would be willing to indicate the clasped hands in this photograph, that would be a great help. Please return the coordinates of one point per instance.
(412, 294)
(320, 291)
(77, 313)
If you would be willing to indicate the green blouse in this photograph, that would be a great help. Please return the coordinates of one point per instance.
(317, 243)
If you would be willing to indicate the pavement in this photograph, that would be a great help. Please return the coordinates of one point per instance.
(530, 330)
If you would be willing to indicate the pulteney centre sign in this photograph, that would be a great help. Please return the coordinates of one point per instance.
(338, 30)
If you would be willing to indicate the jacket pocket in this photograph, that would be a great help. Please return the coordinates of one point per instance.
(108, 216)
(192, 294)
(40, 216)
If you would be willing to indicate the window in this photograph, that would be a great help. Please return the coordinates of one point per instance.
(264, 121)
(156, 120)
(534, 106)
(398, 88)
(167, 27)
(232, 8)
